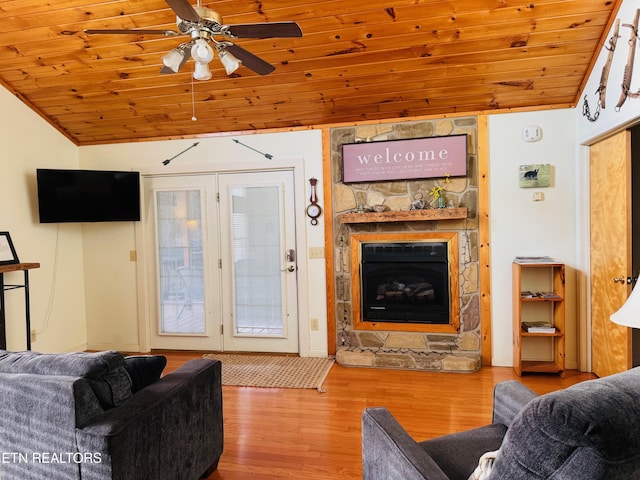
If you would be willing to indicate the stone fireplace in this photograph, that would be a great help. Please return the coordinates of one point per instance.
(419, 307)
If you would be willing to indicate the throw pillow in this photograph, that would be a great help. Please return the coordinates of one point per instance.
(144, 370)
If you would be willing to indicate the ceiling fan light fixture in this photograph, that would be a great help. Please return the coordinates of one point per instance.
(173, 59)
(201, 71)
(230, 62)
(201, 51)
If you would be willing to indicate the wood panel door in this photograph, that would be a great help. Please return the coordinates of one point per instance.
(610, 183)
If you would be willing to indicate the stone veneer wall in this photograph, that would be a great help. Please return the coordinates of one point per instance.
(396, 349)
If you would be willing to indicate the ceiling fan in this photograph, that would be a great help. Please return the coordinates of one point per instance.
(207, 33)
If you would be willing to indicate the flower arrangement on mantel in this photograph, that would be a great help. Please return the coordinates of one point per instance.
(436, 191)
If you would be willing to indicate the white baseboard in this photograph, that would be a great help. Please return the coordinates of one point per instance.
(508, 362)
(502, 362)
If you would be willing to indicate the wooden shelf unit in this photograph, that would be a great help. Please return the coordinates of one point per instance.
(552, 276)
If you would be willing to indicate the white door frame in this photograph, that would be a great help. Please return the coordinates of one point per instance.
(143, 257)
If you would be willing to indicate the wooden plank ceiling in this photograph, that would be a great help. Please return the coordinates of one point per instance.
(358, 60)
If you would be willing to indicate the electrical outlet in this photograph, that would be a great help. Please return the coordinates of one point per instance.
(133, 255)
(316, 252)
(314, 324)
(33, 335)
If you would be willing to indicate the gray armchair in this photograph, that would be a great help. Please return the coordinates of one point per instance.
(587, 431)
(99, 416)
(389, 452)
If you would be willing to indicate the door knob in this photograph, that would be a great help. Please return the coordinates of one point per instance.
(623, 280)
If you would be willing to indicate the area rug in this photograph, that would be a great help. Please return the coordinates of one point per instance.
(273, 371)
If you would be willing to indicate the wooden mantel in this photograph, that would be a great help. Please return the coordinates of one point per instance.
(404, 215)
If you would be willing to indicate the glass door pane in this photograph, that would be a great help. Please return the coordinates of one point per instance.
(180, 262)
(256, 259)
(258, 270)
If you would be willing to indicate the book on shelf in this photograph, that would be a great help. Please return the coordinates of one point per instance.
(543, 295)
(550, 295)
(539, 327)
(542, 259)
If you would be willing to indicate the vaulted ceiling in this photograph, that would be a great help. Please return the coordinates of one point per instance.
(358, 60)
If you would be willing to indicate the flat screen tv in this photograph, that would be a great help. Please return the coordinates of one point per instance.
(88, 196)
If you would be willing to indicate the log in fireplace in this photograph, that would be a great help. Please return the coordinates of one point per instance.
(405, 282)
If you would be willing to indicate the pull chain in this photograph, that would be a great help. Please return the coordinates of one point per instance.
(193, 101)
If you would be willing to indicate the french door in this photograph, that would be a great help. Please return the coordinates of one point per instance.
(185, 287)
(224, 276)
(260, 311)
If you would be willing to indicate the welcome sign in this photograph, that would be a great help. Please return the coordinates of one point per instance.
(430, 157)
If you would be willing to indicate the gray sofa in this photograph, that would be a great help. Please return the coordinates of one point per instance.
(98, 416)
(588, 431)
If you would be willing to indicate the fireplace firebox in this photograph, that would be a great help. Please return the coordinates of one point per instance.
(405, 282)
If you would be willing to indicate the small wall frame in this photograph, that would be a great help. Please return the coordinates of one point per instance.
(535, 176)
(8, 254)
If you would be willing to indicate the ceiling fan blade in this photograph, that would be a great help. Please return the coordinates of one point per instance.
(184, 10)
(187, 56)
(265, 30)
(250, 60)
(166, 33)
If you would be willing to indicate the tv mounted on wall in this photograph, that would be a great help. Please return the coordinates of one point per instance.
(88, 196)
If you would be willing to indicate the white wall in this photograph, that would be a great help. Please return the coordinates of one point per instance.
(57, 288)
(521, 226)
(110, 277)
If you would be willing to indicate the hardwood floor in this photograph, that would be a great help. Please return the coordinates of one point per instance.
(287, 433)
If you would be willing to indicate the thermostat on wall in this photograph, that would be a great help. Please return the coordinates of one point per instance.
(531, 134)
